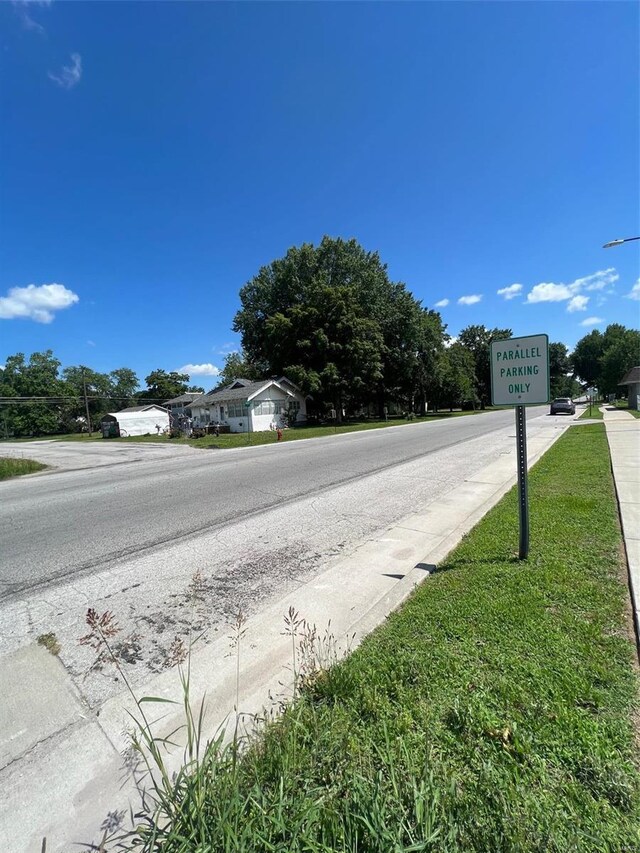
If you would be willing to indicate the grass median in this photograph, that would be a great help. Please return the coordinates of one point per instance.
(492, 712)
(12, 467)
(593, 412)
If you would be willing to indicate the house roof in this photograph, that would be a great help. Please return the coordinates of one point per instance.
(131, 409)
(231, 392)
(631, 377)
(183, 398)
(242, 389)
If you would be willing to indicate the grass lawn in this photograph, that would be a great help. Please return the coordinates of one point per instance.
(624, 405)
(10, 467)
(596, 414)
(268, 437)
(493, 712)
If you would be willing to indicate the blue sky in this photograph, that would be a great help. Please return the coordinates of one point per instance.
(155, 155)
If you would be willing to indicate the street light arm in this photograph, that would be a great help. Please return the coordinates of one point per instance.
(613, 243)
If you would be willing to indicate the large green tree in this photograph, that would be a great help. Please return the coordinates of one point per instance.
(237, 366)
(124, 386)
(586, 356)
(621, 352)
(431, 347)
(602, 359)
(163, 386)
(36, 378)
(477, 339)
(328, 317)
(454, 378)
(562, 383)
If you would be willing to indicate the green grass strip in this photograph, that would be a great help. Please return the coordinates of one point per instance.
(624, 405)
(492, 712)
(596, 414)
(10, 467)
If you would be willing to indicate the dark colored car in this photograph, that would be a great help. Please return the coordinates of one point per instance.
(563, 405)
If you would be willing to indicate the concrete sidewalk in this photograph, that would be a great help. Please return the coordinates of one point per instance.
(63, 767)
(623, 435)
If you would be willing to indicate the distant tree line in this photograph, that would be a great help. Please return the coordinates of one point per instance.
(329, 318)
(38, 398)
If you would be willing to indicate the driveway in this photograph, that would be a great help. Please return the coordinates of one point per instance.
(77, 455)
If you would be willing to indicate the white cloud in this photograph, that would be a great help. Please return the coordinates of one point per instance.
(634, 293)
(69, 75)
(598, 281)
(200, 369)
(549, 291)
(20, 7)
(442, 303)
(470, 300)
(510, 292)
(452, 340)
(91, 343)
(592, 321)
(36, 302)
(577, 303)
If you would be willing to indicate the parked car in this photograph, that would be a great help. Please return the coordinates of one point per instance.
(563, 405)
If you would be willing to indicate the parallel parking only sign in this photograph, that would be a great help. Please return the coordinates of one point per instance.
(519, 378)
(520, 371)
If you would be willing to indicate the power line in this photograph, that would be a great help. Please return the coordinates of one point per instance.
(77, 399)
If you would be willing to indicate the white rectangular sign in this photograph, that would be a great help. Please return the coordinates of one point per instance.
(520, 371)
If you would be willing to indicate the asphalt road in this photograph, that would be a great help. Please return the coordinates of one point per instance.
(77, 522)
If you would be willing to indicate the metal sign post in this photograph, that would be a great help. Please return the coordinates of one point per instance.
(247, 406)
(523, 485)
(520, 378)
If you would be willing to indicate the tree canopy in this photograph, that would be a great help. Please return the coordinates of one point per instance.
(477, 340)
(163, 386)
(602, 359)
(329, 317)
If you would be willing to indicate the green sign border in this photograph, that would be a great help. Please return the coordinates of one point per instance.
(521, 338)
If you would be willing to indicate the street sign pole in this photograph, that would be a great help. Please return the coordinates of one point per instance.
(520, 378)
(247, 406)
(523, 485)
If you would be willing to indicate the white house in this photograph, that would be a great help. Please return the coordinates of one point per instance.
(251, 406)
(181, 405)
(140, 420)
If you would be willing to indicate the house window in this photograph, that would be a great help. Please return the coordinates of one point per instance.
(266, 407)
(236, 409)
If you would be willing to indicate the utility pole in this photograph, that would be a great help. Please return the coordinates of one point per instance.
(86, 402)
